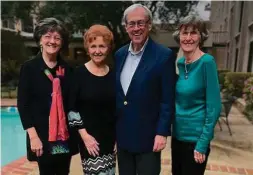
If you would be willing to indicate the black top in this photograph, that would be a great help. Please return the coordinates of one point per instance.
(94, 98)
(34, 100)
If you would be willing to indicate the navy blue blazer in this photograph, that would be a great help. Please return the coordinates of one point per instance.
(148, 107)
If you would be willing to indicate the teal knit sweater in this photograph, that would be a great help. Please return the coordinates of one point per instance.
(198, 102)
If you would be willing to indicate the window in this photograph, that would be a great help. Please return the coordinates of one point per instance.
(5, 23)
(79, 54)
(241, 13)
(226, 25)
(28, 25)
(236, 58)
(227, 65)
(250, 61)
(231, 23)
(11, 24)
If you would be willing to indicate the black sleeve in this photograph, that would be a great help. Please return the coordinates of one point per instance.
(68, 86)
(73, 92)
(24, 97)
(74, 117)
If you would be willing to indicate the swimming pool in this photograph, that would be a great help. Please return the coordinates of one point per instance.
(13, 141)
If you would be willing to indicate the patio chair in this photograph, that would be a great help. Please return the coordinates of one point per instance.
(227, 104)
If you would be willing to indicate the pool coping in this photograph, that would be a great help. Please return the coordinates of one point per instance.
(20, 166)
(7, 102)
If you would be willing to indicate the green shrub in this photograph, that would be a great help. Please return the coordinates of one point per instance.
(223, 71)
(234, 83)
(221, 74)
(8, 92)
(248, 96)
(13, 54)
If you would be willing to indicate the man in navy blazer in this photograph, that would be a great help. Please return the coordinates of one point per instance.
(145, 84)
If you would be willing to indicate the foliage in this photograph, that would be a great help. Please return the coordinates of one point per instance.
(13, 54)
(11, 9)
(78, 16)
(221, 74)
(223, 71)
(170, 12)
(248, 96)
(234, 83)
(10, 71)
(8, 92)
(17, 9)
(81, 15)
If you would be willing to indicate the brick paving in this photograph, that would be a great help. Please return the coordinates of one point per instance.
(219, 163)
(19, 167)
(23, 167)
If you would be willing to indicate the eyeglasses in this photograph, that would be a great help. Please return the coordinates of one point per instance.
(192, 34)
(140, 23)
(49, 37)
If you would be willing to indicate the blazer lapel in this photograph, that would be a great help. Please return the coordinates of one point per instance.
(121, 64)
(140, 70)
(123, 60)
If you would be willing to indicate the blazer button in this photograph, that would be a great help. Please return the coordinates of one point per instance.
(125, 103)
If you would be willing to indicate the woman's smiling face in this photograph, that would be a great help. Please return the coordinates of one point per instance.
(189, 38)
(51, 43)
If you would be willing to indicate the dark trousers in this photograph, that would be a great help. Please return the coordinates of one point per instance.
(54, 164)
(183, 162)
(139, 163)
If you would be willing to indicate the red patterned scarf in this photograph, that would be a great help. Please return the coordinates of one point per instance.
(57, 120)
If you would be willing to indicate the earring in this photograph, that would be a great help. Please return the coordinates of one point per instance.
(41, 48)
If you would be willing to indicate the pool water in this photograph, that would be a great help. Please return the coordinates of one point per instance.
(13, 137)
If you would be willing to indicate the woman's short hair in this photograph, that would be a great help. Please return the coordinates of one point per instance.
(98, 30)
(197, 23)
(51, 25)
(132, 8)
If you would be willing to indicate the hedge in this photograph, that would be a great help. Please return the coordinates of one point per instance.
(234, 83)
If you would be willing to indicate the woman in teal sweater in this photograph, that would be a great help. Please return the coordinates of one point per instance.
(198, 101)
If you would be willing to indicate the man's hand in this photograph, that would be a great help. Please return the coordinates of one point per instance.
(160, 143)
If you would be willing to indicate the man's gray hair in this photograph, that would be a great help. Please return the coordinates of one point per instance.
(197, 23)
(132, 8)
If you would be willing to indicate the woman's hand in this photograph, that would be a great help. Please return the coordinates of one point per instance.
(199, 157)
(91, 145)
(115, 148)
(36, 146)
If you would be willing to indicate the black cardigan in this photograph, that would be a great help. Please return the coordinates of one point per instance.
(34, 101)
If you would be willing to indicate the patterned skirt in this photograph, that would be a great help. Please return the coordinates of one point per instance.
(100, 165)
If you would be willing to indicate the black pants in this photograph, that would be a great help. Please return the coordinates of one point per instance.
(183, 162)
(139, 163)
(54, 164)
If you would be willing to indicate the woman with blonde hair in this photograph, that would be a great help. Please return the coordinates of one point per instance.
(92, 104)
(198, 101)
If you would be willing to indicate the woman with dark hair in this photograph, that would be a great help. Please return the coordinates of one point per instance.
(198, 101)
(43, 93)
(92, 104)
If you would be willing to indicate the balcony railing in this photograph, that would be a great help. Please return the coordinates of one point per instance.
(220, 37)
